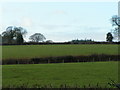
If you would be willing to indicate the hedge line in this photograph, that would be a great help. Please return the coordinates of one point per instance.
(64, 59)
(56, 43)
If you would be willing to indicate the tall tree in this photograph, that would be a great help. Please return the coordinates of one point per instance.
(37, 37)
(116, 23)
(0, 39)
(109, 37)
(19, 33)
(8, 35)
(14, 35)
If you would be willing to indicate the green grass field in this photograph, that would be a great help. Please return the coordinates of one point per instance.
(63, 73)
(56, 74)
(30, 51)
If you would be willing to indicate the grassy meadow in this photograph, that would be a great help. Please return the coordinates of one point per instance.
(31, 51)
(71, 74)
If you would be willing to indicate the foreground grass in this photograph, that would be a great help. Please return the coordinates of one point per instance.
(31, 51)
(56, 74)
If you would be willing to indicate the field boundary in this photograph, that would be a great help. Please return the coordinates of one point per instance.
(63, 59)
(60, 43)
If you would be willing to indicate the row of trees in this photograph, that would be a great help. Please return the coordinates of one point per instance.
(77, 41)
(15, 35)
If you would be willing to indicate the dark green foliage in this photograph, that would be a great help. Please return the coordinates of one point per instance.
(0, 39)
(64, 59)
(81, 41)
(8, 35)
(109, 37)
(13, 35)
(19, 39)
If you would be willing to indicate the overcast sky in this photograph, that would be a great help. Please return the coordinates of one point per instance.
(60, 21)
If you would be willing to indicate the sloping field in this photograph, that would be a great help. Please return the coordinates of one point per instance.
(72, 74)
(31, 51)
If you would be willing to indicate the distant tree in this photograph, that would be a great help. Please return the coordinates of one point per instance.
(0, 39)
(116, 23)
(37, 37)
(13, 35)
(77, 41)
(109, 37)
(49, 41)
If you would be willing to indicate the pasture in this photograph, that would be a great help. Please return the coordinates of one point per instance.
(31, 51)
(72, 74)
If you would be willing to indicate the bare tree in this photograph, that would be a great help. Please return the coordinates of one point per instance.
(37, 37)
(116, 23)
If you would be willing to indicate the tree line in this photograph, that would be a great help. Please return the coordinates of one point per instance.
(15, 35)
